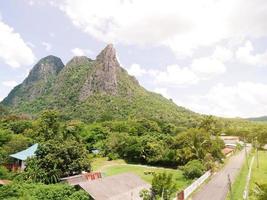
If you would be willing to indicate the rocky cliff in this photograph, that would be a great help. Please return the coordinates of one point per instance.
(91, 90)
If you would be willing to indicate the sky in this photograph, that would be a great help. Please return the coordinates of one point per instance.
(209, 56)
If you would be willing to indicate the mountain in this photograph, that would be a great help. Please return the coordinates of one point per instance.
(91, 90)
(259, 119)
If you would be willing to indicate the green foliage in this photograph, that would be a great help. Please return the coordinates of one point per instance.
(193, 169)
(19, 126)
(48, 125)
(63, 92)
(3, 111)
(11, 143)
(211, 125)
(28, 191)
(55, 159)
(163, 187)
(151, 142)
(4, 173)
(196, 144)
(261, 191)
(60, 152)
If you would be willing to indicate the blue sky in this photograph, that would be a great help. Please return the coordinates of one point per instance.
(208, 55)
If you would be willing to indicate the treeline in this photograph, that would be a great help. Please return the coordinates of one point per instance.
(66, 147)
(148, 142)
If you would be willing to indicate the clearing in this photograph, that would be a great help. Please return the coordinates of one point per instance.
(114, 167)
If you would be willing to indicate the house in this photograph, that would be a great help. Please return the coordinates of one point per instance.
(230, 141)
(21, 157)
(75, 180)
(4, 182)
(126, 186)
(227, 151)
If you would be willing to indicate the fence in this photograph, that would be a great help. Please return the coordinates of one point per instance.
(245, 193)
(190, 189)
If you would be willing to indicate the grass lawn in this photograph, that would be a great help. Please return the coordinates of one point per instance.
(109, 168)
(240, 181)
(258, 175)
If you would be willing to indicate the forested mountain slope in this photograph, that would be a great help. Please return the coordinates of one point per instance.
(91, 90)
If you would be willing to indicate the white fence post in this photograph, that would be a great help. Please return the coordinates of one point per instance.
(191, 188)
(245, 193)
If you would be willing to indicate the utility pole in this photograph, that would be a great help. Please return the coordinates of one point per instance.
(230, 187)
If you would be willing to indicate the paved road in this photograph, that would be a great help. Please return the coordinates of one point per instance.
(217, 187)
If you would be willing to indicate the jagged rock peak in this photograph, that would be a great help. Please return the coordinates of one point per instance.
(104, 79)
(108, 55)
(76, 60)
(47, 66)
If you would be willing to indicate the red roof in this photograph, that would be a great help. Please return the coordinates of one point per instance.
(227, 150)
(4, 182)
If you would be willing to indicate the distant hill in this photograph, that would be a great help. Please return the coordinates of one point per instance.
(91, 90)
(259, 119)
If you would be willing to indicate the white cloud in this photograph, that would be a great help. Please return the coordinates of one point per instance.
(244, 99)
(80, 52)
(10, 83)
(222, 54)
(163, 92)
(207, 66)
(184, 25)
(202, 68)
(244, 54)
(176, 75)
(13, 50)
(136, 70)
(47, 46)
(52, 34)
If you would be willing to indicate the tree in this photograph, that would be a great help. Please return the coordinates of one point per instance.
(195, 144)
(60, 152)
(30, 191)
(211, 125)
(12, 144)
(162, 187)
(153, 149)
(193, 169)
(48, 125)
(55, 159)
(3, 111)
(126, 146)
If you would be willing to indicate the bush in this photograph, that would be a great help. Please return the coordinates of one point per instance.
(193, 169)
(261, 191)
(113, 156)
(163, 187)
(38, 191)
(4, 173)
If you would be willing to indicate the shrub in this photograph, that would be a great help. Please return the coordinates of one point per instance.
(113, 156)
(38, 191)
(163, 187)
(193, 169)
(4, 173)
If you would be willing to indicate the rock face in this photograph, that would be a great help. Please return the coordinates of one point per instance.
(78, 60)
(91, 90)
(36, 84)
(44, 69)
(104, 78)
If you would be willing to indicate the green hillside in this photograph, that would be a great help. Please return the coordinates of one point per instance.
(259, 119)
(92, 90)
